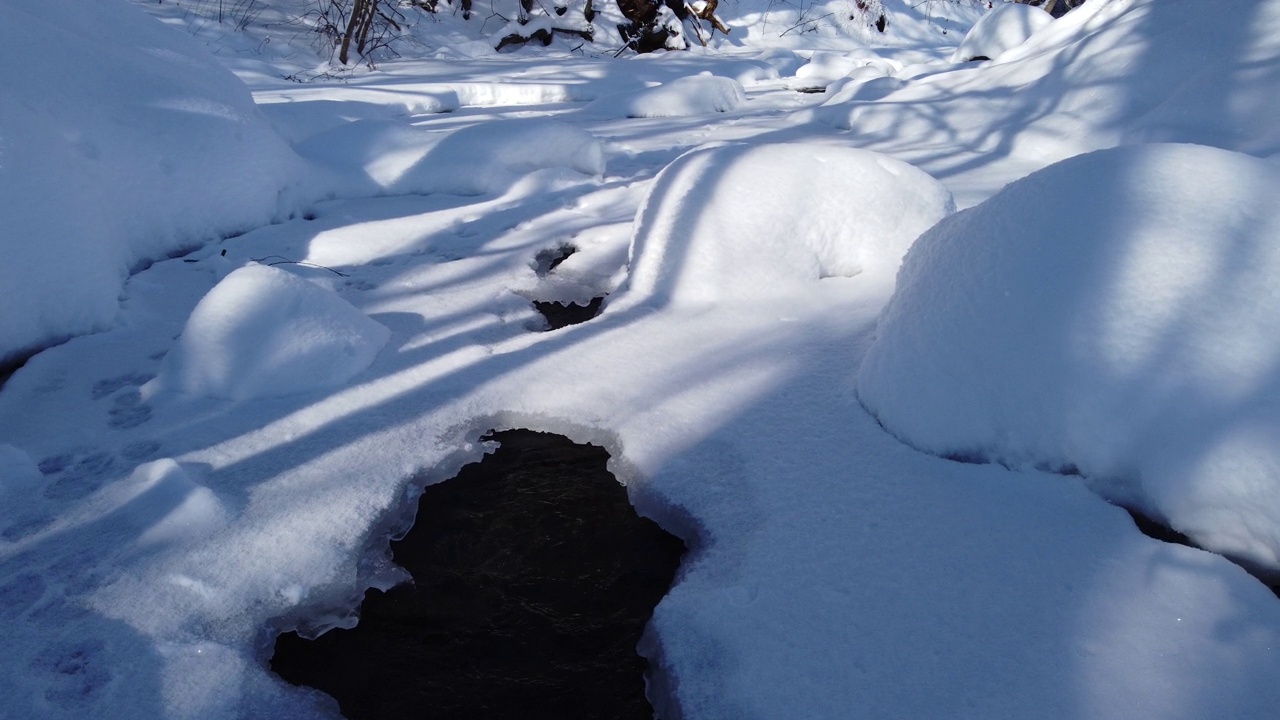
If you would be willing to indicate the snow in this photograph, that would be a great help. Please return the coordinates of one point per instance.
(262, 331)
(380, 156)
(1007, 26)
(682, 97)
(17, 471)
(1135, 341)
(826, 67)
(125, 142)
(171, 498)
(706, 233)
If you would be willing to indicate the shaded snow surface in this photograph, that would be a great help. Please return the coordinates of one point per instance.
(153, 543)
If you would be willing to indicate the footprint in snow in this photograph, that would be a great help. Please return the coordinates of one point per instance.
(79, 479)
(73, 671)
(128, 411)
(103, 388)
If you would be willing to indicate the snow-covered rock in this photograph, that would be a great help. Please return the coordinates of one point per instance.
(1115, 314)
(266, 332)
(738, 222)
(693, 95)
(1005, 27)
(121, 141)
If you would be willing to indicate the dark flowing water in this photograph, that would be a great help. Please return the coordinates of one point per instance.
(533, 579)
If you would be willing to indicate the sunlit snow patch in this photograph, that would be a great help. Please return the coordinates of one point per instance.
(1005, 27)
(1114, 314)
(693, 95)
(266, 332)
(737, 222)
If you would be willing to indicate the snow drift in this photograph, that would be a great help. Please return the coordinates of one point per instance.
(125, 142)
(708, 233)
(1129, 330)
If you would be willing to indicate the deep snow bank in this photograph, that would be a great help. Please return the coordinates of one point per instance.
(1129, 329)
(708, 231)
(120, 142)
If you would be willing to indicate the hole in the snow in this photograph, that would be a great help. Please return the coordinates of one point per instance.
(533, 579)
(548, 259)
(812, 90)
(559, 315)
(1154, 528)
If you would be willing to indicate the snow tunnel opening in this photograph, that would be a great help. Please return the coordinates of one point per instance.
(533, 581)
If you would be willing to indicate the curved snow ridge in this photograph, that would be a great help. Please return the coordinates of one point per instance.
(733, 223)
(1115, 313)
(1004, 28)
(682, 97)
(266, 332)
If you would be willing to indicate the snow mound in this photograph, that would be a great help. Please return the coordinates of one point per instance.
(265, 332)
(397, 158)
(682, 97)
(709, 232)
(1004, 28)
(124, 143)
(1114, 314)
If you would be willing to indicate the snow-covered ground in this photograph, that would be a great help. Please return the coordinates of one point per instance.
(225, 457)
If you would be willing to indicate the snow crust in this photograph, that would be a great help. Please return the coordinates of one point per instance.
(1128, 328)
(682, 97)
(124, 143)
(1005, 27)
(707, 232)
(262, 332)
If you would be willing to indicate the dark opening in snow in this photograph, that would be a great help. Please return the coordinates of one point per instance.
(560, 314)
(533, 578)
